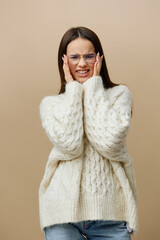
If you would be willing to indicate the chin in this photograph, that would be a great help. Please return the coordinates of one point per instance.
(82, 80)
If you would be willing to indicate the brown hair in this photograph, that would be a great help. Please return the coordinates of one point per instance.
(86, 33)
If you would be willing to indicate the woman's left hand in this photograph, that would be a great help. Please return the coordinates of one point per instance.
(97, 65)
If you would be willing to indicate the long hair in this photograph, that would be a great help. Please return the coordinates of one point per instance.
(86, 33)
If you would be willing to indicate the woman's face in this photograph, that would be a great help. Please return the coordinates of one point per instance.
(82, 70)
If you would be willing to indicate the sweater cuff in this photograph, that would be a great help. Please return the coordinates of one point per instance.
(93, 84)
(73, 88)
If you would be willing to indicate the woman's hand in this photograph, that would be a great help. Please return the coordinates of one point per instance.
(97, 65)
(67, 74)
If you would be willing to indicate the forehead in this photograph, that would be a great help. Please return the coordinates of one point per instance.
(81, 46)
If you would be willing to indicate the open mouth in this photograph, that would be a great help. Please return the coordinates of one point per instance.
(82, 71)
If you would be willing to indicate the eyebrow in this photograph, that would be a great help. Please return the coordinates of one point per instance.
(82, 54)
(74, 54)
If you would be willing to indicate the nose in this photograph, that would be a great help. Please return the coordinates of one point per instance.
(82, 62)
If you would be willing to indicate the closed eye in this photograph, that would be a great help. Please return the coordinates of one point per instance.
(74, 57)
(90, 56)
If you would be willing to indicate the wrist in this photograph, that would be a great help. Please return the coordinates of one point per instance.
(93, 84)
(73, 88)
(96, 74)
(69, 81)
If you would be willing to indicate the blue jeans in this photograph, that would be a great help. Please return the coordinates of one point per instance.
(90, 229)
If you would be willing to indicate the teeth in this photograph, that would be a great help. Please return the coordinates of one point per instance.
(83, 71)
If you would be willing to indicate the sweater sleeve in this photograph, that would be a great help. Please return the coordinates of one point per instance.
(107, 116)
(62, 119)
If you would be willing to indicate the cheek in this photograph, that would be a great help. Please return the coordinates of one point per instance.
(92, 68)
(72, 69)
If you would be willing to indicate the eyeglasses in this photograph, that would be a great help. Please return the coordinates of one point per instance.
(89, 58)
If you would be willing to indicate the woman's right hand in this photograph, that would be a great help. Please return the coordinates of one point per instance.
(67, 74)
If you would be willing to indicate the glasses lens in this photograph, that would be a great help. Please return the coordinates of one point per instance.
(90, 58)
(74, 59)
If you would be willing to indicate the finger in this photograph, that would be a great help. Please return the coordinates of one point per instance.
(100, 59)
(64, 68)
(95, 64)
(65, 65)
(66, 61)
(66, 58)
(98, 64)
(95, 67)
(97, 57)
(63, 60)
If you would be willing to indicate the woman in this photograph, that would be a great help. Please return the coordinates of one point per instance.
(88, 190)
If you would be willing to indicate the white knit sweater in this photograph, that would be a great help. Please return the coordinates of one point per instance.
(89, 173)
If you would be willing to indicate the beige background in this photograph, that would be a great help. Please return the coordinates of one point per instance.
(30, 32)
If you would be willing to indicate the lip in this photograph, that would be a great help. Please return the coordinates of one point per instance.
(82, 74)
(82, 70)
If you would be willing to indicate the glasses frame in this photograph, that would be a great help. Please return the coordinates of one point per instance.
(76, 61)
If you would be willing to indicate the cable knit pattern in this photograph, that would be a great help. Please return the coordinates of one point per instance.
(62, 119)
(89, 172)
(107, 120)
